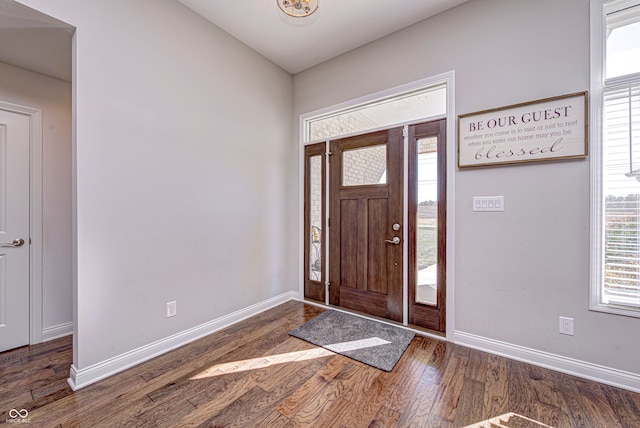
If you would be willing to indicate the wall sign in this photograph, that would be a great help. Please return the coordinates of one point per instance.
(549, 129)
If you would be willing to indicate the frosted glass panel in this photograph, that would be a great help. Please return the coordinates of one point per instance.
(315, 220)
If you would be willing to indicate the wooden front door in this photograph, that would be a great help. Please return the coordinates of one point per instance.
(365, 223)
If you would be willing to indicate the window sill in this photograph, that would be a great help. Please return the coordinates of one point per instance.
(627, 311)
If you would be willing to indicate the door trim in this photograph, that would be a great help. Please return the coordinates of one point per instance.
(35, 217)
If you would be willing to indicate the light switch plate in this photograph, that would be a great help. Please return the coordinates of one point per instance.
(488, 203)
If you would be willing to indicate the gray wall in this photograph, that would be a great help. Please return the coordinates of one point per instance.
(516, 271)
(53, 97)
(176, 145)
(181, 131)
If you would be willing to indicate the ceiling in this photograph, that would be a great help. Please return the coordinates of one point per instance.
(337, 26)
(40, 43)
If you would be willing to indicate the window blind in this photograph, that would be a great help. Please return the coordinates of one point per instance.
(621, 192)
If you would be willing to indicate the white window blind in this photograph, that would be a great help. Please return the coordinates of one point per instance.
(621, 192)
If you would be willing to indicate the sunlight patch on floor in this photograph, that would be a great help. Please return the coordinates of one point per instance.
(509, 420)
(357, 344)
(261, 362)
(289, 357)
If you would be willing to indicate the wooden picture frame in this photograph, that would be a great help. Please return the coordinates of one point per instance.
(548, 129)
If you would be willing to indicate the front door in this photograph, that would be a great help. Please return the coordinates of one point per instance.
(365, 223)
(14, 230)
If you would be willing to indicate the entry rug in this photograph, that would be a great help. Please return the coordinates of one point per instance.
(374, 343)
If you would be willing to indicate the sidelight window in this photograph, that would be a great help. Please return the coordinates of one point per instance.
(427, 221)
(314, 222)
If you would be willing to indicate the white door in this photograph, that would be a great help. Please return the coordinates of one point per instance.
(14, 230)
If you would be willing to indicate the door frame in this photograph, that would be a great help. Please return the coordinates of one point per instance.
(447, 78)
(35, 216)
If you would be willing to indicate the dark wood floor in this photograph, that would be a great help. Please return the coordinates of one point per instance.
(254, 374)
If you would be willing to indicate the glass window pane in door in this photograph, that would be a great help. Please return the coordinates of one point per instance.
(315, 218)
(427, 219)
(364, 166)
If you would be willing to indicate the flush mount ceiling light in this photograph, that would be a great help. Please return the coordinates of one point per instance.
(298, 8)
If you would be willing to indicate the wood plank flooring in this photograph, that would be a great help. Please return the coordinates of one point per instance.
(253, 374)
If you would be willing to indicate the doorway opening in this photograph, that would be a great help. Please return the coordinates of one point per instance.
(36, 71)
(376, 204)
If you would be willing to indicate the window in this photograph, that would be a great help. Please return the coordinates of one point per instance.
(427, 221)
(314, 221)
(361, 167)
(390, 111)
(616, 162)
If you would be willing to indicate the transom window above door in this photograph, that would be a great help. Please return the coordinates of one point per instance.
(407, 107)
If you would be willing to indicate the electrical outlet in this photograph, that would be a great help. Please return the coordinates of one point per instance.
(171, 309)
(566, 326)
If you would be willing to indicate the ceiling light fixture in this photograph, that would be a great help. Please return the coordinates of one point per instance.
(298, 8)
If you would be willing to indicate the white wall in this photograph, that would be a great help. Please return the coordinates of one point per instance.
(53, 97)
(181, 140)
(519, 270)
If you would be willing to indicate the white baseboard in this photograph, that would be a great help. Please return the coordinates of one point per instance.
(57, 331)
(84, 377)
(583, 369)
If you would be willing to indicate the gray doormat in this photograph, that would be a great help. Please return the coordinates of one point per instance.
(368, 341)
